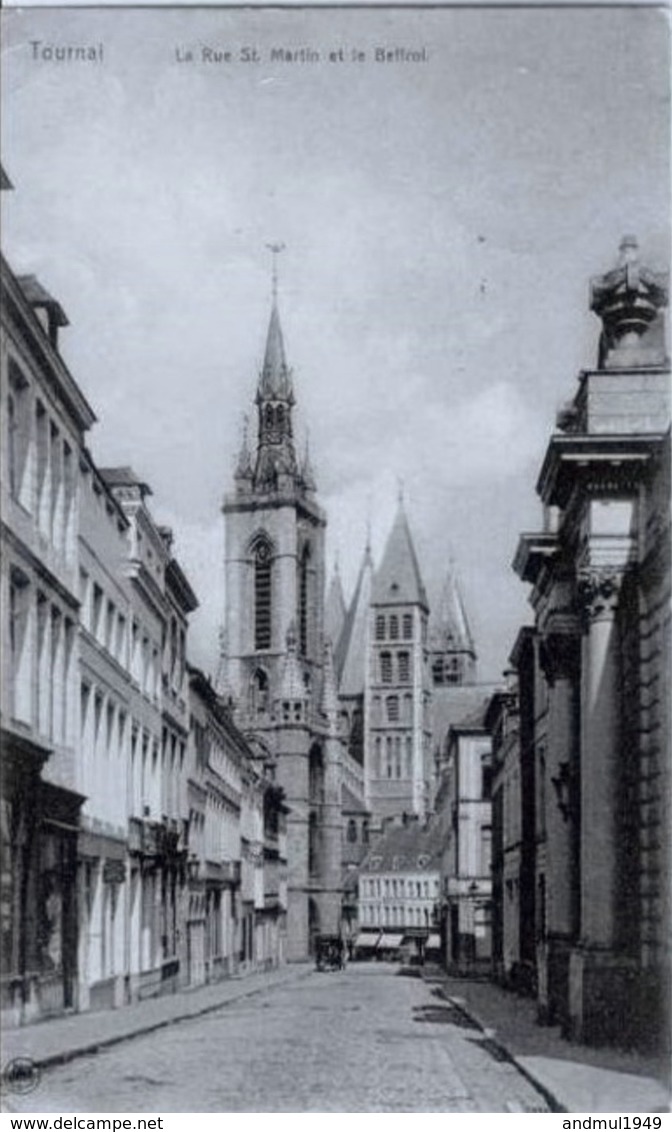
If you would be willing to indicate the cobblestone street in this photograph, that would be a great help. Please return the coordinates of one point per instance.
(362, 1040)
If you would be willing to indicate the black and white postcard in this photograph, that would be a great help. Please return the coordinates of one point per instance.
(335, 613)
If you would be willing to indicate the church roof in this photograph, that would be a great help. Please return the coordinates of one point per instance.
(334, 609)
(398, 580)
(458, 705)
(450, 629)
(350, 804)
(352, 645)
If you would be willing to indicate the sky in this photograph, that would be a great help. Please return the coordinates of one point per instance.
(442, 219)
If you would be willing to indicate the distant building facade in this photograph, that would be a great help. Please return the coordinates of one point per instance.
(600, 577)
(399, 889)
(464, 817)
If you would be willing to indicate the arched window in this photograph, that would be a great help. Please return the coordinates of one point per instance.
(316, 774)
(408, 626)
(392, 705)
(394, 627)
(378, 765)
(397, 756)
(386, 667)
(352, 831)
(313, 844)
(380, 628)
(269, 416)
(404, 667)
(409, 757)
(303, 600)
(408, 708)
(365, 831)
(258, 691)
(262, 595)
(280, 417)
(389, 756)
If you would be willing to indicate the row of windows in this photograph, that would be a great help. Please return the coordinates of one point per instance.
(154, 770)
(447, 670)
(41, 643)
(393, 709)
(210, 751)
(393, 627)
(103, 724)
(42, 469)
(394, 668)
(352, 832)
(222, 831)
(383, 915)
(393, 756)
(407, 887)
(108, 625)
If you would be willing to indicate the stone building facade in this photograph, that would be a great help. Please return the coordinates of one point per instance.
(45, 418)
(600, 575)
(143, 836)
(399, 889)
(518, 842)
(278, 672)
(464, 817)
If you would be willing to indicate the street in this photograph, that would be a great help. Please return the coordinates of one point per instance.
(366, 1039)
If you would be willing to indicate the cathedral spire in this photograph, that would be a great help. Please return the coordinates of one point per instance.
(451, 644)
(398, 580)
(276, 464)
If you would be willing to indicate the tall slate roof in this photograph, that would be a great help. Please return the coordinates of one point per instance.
(398, 580)
(450, 625)
(458, 705)
(334, 609)
(351, 653)
(410, 848)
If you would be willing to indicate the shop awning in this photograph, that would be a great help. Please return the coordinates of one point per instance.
(433, 943)
(389, 940)
(367, 939)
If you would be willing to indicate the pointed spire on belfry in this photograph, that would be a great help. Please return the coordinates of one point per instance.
(276, 463)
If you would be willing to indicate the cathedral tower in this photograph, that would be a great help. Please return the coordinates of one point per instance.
(451, 645)
(397, 727)
(275, 659)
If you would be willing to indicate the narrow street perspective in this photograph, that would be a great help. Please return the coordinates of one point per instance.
(366, 1039)
(336, 559)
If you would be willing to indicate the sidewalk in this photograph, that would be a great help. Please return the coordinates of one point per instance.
(576, 1077)
(58, 1040)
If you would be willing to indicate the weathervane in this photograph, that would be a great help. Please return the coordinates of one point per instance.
(275, 250)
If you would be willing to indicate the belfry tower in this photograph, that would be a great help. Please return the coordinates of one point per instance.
(276, 673)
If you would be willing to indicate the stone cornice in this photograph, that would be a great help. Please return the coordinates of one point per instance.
(533, 552)
(609, 463)
(305, 508)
